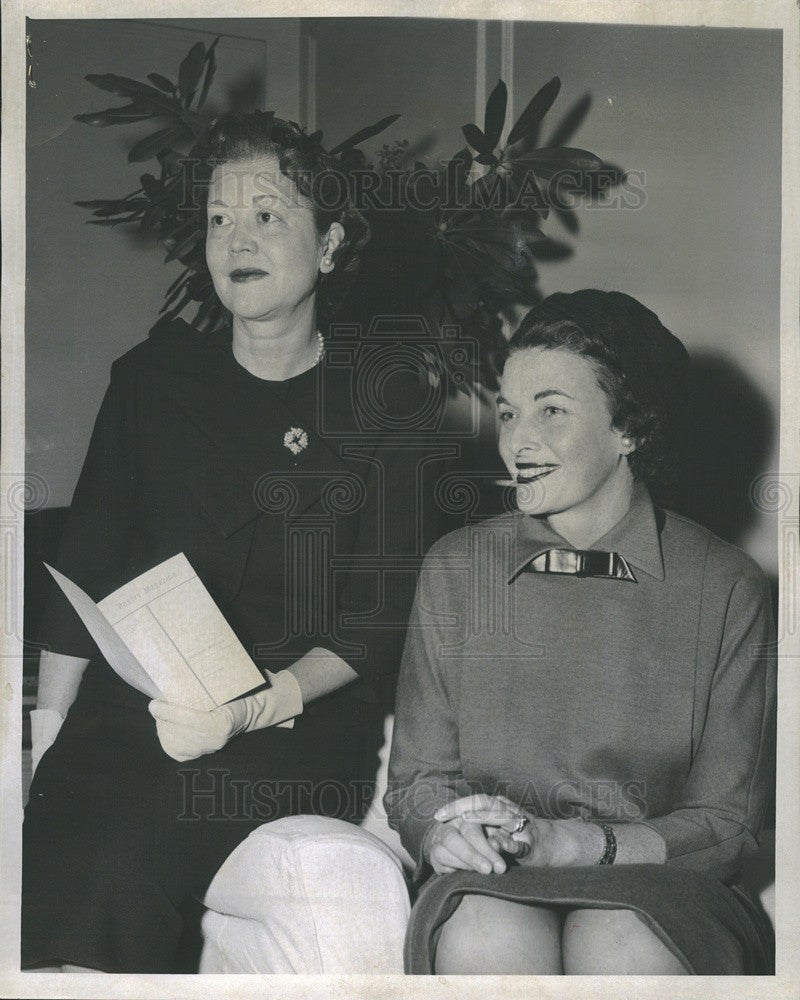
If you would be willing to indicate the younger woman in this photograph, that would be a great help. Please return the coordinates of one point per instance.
(584, 735)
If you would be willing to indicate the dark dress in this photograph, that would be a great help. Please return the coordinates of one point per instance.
(121, 841)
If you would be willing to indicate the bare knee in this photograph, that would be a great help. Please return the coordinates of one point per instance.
(487, 936)
(614, 942)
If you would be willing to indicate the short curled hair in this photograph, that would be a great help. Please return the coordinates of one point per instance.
(236, 137)
(641, 367)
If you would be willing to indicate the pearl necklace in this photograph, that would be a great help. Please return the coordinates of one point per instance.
(296, 439)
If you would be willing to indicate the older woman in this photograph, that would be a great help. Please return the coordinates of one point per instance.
(247, 452)
(583, 744)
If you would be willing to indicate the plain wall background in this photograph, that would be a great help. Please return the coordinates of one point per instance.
(697, 111)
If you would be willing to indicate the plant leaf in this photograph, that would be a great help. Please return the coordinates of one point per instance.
(180, 231)
(113, 222)
(150, 186)
(165, 190)
(499, 236)
(177, 289)
(568, 219)
(571, 121)
(169, 161)
(494, 267)
(551, 250)
(199, 285)
(152, 218)
(211, 69)
(508, 232)
(210, 316)
(133, 207)
(460, 291)
(139, 92)
(99, 203)
(180, 249)
(175, 310)
(537, 108)
(490, 191)
(546, 162)
(115, 116)
(184, 274)
(530, 231)
(528, 195)
(495, 114)
(190, 70)
(364, 133)
(161, 82)
(148, 147)
(476, 138)
(421, 147)
(456, 174)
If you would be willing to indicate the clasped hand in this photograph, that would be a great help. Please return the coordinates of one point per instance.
(186, 733)
(475, 831)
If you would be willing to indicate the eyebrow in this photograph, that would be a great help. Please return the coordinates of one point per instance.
(257, 199)
(539, 395)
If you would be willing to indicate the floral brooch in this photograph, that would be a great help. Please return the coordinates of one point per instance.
(296, 440)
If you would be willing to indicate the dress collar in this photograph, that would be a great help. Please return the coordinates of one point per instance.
(636, 537)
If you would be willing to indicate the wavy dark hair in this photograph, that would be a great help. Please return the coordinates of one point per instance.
(316, 175)
(641, 367)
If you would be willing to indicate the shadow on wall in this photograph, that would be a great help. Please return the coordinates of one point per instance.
(730, 435)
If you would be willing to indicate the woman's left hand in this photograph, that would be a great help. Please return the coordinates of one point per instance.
(534, 841)
(508, 826)
(186, 733)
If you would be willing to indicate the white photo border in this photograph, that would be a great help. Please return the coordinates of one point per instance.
(781, 14)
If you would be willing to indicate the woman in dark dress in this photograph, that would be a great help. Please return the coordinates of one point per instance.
(246, 451)
(583, 747)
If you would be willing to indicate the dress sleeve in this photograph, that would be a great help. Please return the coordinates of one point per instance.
(719, 811)
(424, 766)
(97, 533)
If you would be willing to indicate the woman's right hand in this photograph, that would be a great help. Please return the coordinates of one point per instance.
(500, 820)
(462, 844)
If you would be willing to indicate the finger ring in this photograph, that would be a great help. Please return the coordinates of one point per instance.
(525, 850)
(522, 822)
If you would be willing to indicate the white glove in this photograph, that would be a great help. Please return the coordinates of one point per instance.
(45, 726)
(186, 733)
